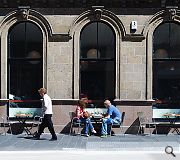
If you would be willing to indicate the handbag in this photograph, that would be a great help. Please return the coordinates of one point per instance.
(86, 114)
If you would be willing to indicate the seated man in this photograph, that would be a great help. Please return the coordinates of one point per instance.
(113, 115)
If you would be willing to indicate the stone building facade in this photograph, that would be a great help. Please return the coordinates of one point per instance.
(61, 30)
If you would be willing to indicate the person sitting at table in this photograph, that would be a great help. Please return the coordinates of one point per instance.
(113, 115)
(83, 116)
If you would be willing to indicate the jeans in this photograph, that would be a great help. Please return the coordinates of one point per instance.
(87, 123)
(106, 122)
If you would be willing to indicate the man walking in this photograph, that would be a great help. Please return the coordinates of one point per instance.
(47, 114)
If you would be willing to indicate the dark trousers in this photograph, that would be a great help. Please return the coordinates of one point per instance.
(47, 122)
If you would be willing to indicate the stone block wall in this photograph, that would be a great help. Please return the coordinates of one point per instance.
(59, 70)
(132, 59)
(133, 71)
(59, 65)
(59, 58)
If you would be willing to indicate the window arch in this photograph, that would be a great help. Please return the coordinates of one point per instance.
(97, 61)
(25, 62)
(166, 62)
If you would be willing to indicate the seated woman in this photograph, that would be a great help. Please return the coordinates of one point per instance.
(84, 117)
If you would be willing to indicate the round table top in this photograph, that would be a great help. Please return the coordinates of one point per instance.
(171, 114)
(23, 115)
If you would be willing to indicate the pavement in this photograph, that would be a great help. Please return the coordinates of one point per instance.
(69, 147)
(23, 142)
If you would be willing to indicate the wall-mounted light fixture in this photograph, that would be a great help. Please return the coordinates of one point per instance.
(161, 53)
(172, 68)
(35, 56)
(133, 26)
(93, 54)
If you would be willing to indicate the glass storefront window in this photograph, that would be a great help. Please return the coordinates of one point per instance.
(166, 66)
(25, 66)
(97, 61)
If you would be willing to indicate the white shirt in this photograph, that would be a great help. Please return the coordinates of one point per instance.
(47, 106)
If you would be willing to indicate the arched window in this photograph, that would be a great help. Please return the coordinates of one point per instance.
(166, 63)
(25, 62)
(97, 61)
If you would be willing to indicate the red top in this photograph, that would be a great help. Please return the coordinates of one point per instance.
(79, 111)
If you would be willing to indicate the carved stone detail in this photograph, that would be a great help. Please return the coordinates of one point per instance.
(23, 14)
(97, 12)
(172, 12)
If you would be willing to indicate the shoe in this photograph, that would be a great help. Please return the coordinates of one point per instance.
(35, 134)
(103, 135)
(36, 138)
(86, 135)
(93, 131)
(53, 139)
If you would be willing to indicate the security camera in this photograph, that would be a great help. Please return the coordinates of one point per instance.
(134, 25)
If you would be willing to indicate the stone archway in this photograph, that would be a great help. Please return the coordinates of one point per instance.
(11, 19)
(75, 30)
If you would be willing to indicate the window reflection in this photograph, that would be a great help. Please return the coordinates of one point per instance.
(166, 63)
(97, 61)
(166, 39)
(24, 61)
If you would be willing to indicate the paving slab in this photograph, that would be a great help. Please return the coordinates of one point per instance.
(24, 142)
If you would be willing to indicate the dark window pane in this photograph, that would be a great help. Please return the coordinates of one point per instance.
(97, 63)
(166, 80)
(105, 41)
(33, 33)
(17, 50)
(17, 33)
(100, 37)
(25, 60)
(25, 79)
(88, 39)
(167, 41)
(97, 79)
(24, 38)
(166, 62)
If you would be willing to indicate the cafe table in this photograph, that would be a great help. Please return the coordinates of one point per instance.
(173, 121)
(96, 118)
(22, 118)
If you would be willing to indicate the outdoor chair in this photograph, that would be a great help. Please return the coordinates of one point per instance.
(75, 123)
(35, 123)
(145, 122)
(2, 124)
(118, 125)
(6, 123)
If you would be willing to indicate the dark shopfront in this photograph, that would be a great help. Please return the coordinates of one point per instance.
(127, 51)
(166, 82)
